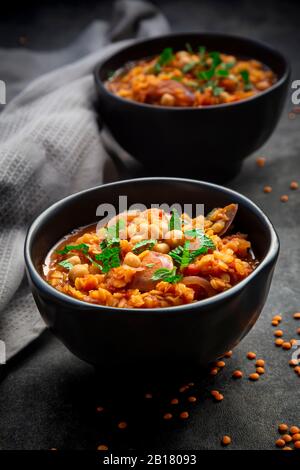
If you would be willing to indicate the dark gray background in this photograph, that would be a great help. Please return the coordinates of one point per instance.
(48, 396)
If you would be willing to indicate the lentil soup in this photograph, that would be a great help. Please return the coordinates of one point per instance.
(191, 78)
(151, 259)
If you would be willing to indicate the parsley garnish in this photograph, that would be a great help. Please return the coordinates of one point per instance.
(81, 247)
(165, 57)
(110, 254)
(167, 275)
(189, 48)
(217, 90)
(140, 246)
(188, 67)
(246, 79)
(66, 264)
(184, 256)
(175, 221)
(202, 50)
(206, 74)
(222, 73)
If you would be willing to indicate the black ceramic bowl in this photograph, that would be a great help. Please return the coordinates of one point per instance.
(196, 333)
(204, 143)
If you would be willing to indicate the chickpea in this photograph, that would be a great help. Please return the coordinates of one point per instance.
(167, 99)
(174, 238)
(132, 260)
(74, 260)
(136, 238)
(79, 270)
(162, 248)
(263, 85)
(143, 228)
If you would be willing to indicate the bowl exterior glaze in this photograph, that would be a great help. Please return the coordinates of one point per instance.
(207, 143)
(192, 334)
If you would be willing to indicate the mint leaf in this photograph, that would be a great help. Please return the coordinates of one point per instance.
(167, 275)
(81, 247)
(66, 264)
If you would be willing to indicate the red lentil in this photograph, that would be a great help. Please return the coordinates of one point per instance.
(277, 318)
(184, 415)
(286, 345)
(220, 364)
(102, 447)
(284, 198)
(280, 443)
(296, 437)
(287, 438)
(294, 430)
(192, 399)
(148, 396)
(251, 355)
(283, 428)
(287, 448)
(237, 374)
(267, 189)
(226, 440)
(174, 401)
(122, 425)
(294, 185)
(254, 376)
(279, 342)
(260, 363)
(168, 416)
(298, 331)
(260, 370)
(293, 362)
(214, 371)
(228, 354)
(297, 445)
(297, 315)
(99, 409)
(184, 388)
(261, 161)
(278, 333)
(275, 323)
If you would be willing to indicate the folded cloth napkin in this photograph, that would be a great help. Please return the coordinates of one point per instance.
(50, 145)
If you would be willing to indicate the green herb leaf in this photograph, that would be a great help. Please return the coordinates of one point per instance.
(142, 245)
(206, 242)
(66, 264)
(189, 48)
(228, 65)
(206, 74)
(185, 259)
(202, 50)
(216, 58)
(188, 67)
(246, 79)
(81, 247)
(217, 90)
(176, 254)
(175, 221)
(177, 79)
(222, 73)
(109, 257)
(167, 275)
(165, 57)
(150, 265)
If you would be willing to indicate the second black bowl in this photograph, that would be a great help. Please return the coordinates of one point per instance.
(205, 143)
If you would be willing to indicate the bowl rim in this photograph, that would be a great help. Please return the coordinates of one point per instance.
(38, 280)
(254, 42)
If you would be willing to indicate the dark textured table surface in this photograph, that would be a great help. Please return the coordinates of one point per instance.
(48, 397)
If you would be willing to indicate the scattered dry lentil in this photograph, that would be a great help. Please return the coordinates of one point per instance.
(287, 448)
(237, 374)
(279, 342)
(184, 388)
(294, 185)
(261, 161)
(219, 397)
(214, 371)
(287, 438)
(297, 315)
(293, 362)
(277, 318)
(99, 409)
(192, 399)
(278, 333)
(293, 341)
(284, 198)
(296, 437)
(168, 416)
(220, 364)
(174, 401)
(260, 363)
(294, 430)
(251, 355)
(267, 189)
(102, 447)
(280, 443)
(184, 415)
(298, 331)
(297, 445)
(275, 323)
(148, 396)
(260, 370)
(226, 440)
(286, 345)
(228, 354)
(254, 376)
(283, 428)
(122, 425)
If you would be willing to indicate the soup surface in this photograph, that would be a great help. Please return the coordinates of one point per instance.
(193, 78)
(152, 258)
